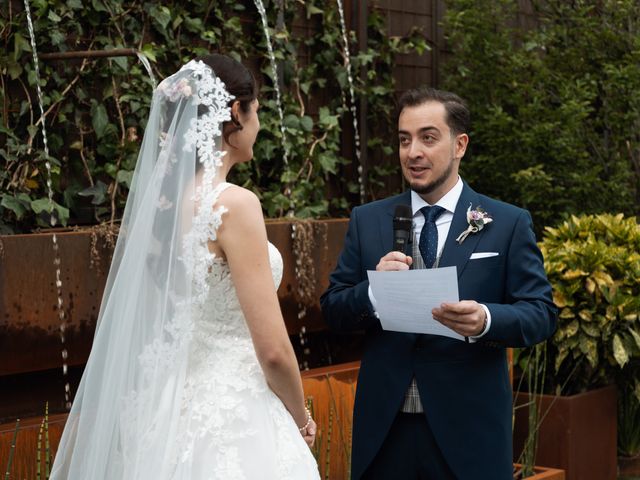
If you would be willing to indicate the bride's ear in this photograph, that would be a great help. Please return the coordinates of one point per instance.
(234, 126)
(235, 112)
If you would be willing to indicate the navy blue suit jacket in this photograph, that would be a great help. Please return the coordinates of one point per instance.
(464, 387)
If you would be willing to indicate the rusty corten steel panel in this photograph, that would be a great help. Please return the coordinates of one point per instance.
(29, 324)
(324, 245)
(577, 432)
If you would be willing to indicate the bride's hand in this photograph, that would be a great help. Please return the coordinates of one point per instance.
(309, 434)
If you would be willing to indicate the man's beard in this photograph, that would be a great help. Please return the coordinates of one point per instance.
(435, 184)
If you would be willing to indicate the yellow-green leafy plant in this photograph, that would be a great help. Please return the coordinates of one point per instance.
(593, 263)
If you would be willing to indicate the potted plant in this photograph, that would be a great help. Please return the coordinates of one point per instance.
(594, 266)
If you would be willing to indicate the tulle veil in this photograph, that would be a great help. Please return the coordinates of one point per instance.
(126, 412)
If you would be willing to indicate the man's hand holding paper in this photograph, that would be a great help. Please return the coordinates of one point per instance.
(468, 317)
(406, 299)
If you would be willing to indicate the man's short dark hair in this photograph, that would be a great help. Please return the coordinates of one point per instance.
(458, 117)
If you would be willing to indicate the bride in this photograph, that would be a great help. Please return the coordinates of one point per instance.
(191, 373)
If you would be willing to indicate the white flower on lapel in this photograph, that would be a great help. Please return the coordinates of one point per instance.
(477, 219)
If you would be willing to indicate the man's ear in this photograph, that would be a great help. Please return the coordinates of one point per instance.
(462, 140)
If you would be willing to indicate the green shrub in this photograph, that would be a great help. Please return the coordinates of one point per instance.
(593, 263)
(555, 102)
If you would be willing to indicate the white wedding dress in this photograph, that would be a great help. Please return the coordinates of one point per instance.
(173, 389)
(232, 425)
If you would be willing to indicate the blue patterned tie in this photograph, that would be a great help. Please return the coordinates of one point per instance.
(429, 235)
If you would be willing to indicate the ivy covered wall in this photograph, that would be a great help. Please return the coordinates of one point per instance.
(95, 108)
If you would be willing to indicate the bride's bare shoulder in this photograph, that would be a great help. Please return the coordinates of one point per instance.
(241, 204)
(237, 196)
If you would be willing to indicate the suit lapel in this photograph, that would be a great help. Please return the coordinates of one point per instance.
(455, 253)
(386, 221)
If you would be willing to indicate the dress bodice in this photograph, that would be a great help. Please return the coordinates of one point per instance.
(220, 329)
(221, 313)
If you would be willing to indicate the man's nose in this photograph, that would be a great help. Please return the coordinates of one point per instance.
(414, 150)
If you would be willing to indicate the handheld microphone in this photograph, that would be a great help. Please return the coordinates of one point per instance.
(402, 225)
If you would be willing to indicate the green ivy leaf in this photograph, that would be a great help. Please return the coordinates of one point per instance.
(122, 62)
(193, 24)
(43, 205)
(20, 44)
(14, 69)
(54, 17)
(149, 52)
(379, 90)
(305, 87)
(307, 123)
(98, 192)
(19, 205)
(98, 6)
(327, 120)
(313, 10)
(328, 162)
(292, 121)
(125, 177)
(160, 15)
(99, 119)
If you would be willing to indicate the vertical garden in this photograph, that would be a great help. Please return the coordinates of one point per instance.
(95, 107)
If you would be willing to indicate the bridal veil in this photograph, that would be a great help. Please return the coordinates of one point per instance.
(125, 416)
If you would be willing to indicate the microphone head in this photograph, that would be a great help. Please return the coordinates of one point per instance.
(403, 217)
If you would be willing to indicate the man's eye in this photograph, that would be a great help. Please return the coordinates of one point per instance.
(428, 139)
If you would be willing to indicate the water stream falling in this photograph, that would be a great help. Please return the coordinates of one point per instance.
(347, 60)
(53, 221)
(276, 85)
(145, 62)
(302, 310)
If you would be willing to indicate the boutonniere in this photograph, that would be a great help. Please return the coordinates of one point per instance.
(477, 219)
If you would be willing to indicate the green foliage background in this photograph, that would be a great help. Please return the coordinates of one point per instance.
(555, 106)
(97, 108)
(593, 262)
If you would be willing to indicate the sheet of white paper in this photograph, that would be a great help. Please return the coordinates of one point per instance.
(404, 300)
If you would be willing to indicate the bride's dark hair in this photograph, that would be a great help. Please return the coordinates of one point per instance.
(239, 82)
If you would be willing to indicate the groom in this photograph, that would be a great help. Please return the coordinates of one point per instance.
(430, 406)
